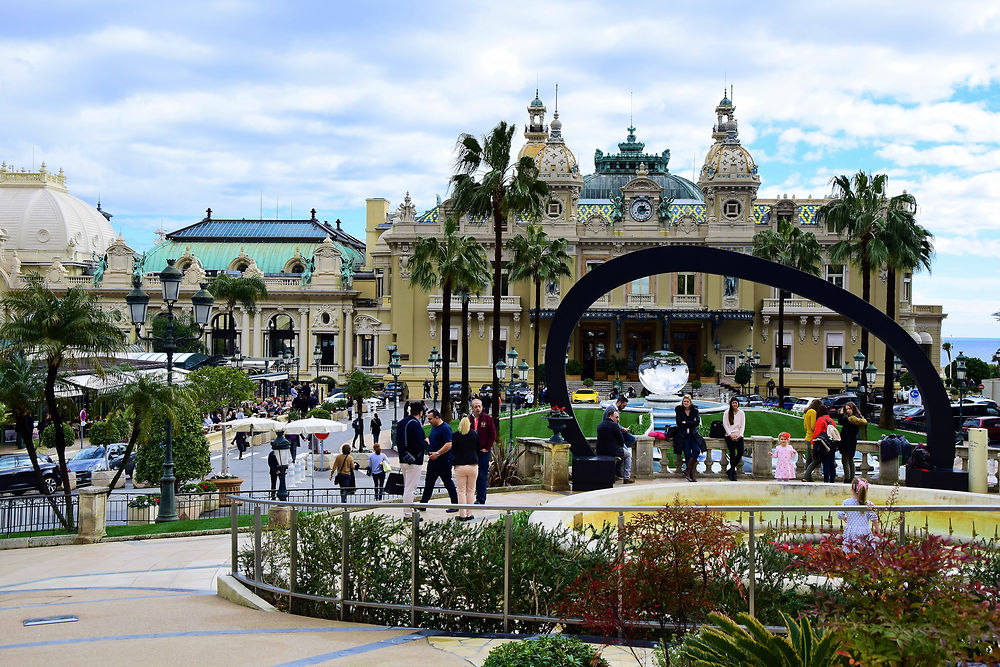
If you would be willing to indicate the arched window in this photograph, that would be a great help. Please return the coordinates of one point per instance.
(280, 334)
(224, 335)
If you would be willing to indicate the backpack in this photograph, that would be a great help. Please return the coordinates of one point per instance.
(832, 432)
(716, 429)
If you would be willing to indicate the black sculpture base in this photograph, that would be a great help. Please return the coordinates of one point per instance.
(591, 473)
(945, 480)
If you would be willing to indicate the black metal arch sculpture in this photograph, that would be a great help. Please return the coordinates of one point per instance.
(672, 258)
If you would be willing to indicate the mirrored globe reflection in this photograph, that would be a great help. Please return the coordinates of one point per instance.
(663, 372)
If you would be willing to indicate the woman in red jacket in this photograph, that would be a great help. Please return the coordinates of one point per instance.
(824, 449)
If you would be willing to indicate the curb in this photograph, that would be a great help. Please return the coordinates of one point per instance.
(229, 589)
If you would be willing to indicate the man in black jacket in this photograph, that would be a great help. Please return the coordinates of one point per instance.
(610, 439)
(410, 444)
(359, 432)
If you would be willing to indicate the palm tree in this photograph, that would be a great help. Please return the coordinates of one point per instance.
(795, 248)
(478, 278)
(52, 328)
(245, 290)
(505, 190)
(21, 389)
(536, 258)
(145, 400)
(947, 350)
(858, 215)
(909, 247)
(452, 263)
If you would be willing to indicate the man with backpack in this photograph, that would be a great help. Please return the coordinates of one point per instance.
(410, 444)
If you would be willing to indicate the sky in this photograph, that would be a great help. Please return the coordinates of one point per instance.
(270, 109)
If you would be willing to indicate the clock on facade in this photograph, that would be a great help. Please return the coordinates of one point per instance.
(641, 209)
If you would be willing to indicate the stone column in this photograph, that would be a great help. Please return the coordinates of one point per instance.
(245, 333)
(348, 364)
(256, 346)
(304, 336)
(642, 463)
(555, 471)
(761, 446)
(978, 460)
(93, 508)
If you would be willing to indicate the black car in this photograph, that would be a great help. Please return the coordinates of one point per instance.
(486, 393)
(455, 390)
(18, 476)
(835, 402)
(395, 390)
(115, 456)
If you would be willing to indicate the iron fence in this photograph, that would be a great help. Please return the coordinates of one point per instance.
(31, 516)
(750, 521)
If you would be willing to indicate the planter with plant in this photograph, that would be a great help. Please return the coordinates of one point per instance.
(559, 421)
(573, 369)
(707, 371)
(545, 650)
(226, 484)
(588, 382)
(143, 509)
(209, 495)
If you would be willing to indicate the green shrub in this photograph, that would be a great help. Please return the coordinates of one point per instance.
(588, 382)
(319, 413)
(574, 367)
(113, 429)
(190, 450)
(331, 406)
(49, 436)
(555, 650)
(707, 368)
(696, 384)
(601, 366)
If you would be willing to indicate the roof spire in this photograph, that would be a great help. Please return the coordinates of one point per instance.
(555, 135)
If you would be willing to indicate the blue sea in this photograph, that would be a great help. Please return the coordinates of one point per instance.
(980, 348)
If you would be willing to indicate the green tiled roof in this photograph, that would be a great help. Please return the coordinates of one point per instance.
(271, 257)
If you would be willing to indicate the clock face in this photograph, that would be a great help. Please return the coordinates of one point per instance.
(641, 209)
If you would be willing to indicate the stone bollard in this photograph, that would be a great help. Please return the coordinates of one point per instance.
(642, 462)
(978, 461)
(888, 471)
(91, 519)
(761, 446)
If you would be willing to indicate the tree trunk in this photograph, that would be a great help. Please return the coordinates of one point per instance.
(128, 452)
(535, 319)
(225, 450)
(50, 402)
(446, 352)
(781, 345)
(24, 425)
(497, 288)
(464, 406)
(887, 419)
(866, 294)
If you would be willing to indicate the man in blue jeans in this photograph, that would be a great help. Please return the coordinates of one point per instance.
(625, 468)
(487, 431)
(441, 459)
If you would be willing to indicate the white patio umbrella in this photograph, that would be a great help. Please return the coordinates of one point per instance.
(254, 426)
(311, 426)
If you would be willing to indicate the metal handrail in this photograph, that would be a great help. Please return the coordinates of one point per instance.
(505, 614)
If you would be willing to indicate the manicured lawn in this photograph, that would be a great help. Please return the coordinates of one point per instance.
(181, 526)
(773, 423)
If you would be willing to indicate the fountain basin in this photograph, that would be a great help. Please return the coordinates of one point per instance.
(950, 519)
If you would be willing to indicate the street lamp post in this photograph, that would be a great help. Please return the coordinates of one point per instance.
(518, 372)
(434, 364)
(283, 452)
(752, 360)
(138, 304)
(395, 370)
(863, 375)
(960, 376)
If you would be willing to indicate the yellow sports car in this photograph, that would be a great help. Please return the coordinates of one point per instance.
(584, 395)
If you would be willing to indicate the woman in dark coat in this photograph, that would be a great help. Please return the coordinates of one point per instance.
(851, 422)
(687, 421)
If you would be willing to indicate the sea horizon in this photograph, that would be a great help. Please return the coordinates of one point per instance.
(979, 348)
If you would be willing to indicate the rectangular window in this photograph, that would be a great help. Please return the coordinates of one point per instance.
(593, 264)
(456, 337)
(834, 350)
(907, 286)
(367, 350)
(640, 286)
(379, 284)
(328, 349)
(835, 274)
(831, 228)
(783, 353)
(503, 345)
(685, 284)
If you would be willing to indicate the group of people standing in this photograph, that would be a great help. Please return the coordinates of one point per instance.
(359, 431)
(689, 443)
(463, 456)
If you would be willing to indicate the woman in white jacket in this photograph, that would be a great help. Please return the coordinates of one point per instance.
(734, 422)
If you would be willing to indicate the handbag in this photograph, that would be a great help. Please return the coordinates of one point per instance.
(832, 432)
(716, 429)
(386, 466)
(394, 483)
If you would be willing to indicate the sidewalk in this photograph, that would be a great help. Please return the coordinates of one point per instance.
(154, 601)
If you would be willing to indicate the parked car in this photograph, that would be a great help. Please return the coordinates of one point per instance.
(916, 418)
(396, 390)
(87, 461)
(585, 395)
(18, 476)
(486, 393)
(455, 390)
(751, 401)
(835, 402)
(801, 404)
(991, 424)
(373, 402)
(777, 402)
(115, 455)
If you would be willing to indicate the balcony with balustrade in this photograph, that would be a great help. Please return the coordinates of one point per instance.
(508, 304)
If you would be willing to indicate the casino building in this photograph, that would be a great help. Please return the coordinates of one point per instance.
(335, 302)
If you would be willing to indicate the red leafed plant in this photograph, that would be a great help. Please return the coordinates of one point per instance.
(904, 603)
(671, 560)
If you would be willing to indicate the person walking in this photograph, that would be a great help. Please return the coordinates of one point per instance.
(809, 417)
(241, 443)
(860, 528)
(786, 455)
(687, 419)
(441, 460)
(376, 429)
(411, 444)
(465, 447)
(611, 438)
(850, 423)
(343, 468)
(625, 469)
(825, 449)
(734, 423)
(377, 465)
(486, 430)
(359, 432)
(272, 466)
(427, 388)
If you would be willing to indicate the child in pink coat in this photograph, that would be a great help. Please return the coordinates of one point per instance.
(786, 456)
